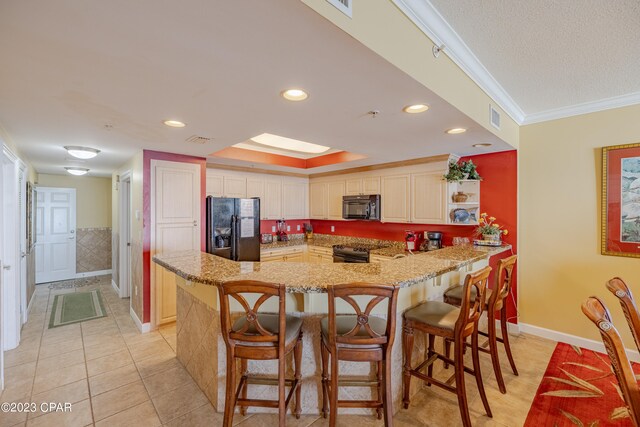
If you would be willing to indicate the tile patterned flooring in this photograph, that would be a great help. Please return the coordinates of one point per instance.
(115, 376)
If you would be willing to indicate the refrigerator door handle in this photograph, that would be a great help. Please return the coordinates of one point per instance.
(234, 238)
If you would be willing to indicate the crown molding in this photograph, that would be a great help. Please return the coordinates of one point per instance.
(583, 108)
(432, 23)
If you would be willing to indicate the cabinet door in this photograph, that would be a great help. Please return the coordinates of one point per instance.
(214, 185)
(235, 186)
(428, 193)
(255, 187)
(335, 191)
(371, 185)
(318, 200)
(272, 204)
(353, 187)
(294, 199)
(395, 198)
(299, 257)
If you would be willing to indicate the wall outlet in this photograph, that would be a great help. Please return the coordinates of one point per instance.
(298, 227)
(136, 289)
(333, 228)
(273, 228)
(288, 228)
(137, 215)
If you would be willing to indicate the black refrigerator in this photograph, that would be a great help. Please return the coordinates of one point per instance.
(233, 228)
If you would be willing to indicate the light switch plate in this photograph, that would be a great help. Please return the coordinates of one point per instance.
(333, 228)
(273, 228)
(288, 228)
(298, 227)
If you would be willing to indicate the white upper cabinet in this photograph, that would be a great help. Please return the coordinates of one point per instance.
(271, 204)
(395, 198)
(335, 192)
(353, 187)
(358, 186)
(255, 187)
(235, 187)
(215, 185)
(318, 201)
(294, 199)
(428, 198)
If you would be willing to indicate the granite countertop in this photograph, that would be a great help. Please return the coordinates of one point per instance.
(306, 277)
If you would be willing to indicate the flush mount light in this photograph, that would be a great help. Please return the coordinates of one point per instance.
(414, 109)
(77, 171)
(456, 131)
(289, 144)
(482, 145)
(82, 152)
(174, 123)
(294, 94)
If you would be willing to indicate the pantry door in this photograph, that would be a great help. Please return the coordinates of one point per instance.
(55, 234)
(175, 225)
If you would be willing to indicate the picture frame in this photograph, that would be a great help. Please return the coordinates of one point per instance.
(620, 203)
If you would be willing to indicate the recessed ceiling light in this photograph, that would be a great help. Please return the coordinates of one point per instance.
(417, 108)
(77, 171)
(294, 95)
(82, 152)
(289, 144)
(174, 123)
(484, 144)
(456, 130)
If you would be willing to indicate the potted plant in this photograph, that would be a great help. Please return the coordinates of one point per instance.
(469, 168)
(463, 170)
(489, 229)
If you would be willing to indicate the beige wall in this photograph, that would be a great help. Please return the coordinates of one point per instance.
(560, 261)
(383, 28)
(93, 197)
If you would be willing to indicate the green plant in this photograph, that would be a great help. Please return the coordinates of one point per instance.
(463, 170)
(469, 167)
(487, 225)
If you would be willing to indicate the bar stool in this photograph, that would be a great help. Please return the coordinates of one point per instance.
(495, 303)
(258, 336)
(358, 338)
(439, 319)
(619, 288)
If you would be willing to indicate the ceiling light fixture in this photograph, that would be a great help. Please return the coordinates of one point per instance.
(294, 94)
(482, 145)
(77, 171)
(174, 123)
(456, 131)
(289, 144)
(82, 152)
(414, 109)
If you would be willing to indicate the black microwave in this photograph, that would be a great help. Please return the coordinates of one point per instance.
(361, 207)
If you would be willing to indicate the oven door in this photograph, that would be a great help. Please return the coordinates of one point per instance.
(356, 209)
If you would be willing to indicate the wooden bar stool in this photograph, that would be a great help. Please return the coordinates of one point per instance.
(358, 338)
(258, 336)
(597, 312)
(495, 303)
(439, 319)
(619, 288)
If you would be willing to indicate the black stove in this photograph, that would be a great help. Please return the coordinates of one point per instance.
(352, 254)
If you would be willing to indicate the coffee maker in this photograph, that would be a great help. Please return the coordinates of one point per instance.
(282, 230)
(433, 241)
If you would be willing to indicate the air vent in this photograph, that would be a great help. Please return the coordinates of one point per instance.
(195, 139)
(345, 6)
(494, 117)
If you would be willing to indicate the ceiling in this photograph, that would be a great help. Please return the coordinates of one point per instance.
(106, 74)
(553, 58)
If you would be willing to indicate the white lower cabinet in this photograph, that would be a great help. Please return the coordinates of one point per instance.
(293, 254)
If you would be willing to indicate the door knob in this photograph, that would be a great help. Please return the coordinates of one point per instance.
(195, 223)
(71, 238)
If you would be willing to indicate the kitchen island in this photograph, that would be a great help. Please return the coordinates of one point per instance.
(200, 348)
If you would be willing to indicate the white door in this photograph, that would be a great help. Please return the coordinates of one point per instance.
(55, 234)
(124, 252)
(175, 225)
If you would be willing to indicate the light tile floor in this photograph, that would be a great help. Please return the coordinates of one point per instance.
(115, 376)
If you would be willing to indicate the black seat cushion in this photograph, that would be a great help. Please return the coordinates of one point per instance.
(434, 313)
(346, 322)
(270, 323)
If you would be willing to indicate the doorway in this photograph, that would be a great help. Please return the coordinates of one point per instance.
(124, 250)
(55, 234)
(11, 306)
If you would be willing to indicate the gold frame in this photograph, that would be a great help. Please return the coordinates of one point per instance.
(603, 203)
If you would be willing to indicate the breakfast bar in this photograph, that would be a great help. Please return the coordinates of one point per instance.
(201, 349)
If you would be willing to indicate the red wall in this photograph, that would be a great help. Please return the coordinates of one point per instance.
(265, 225)
(498, 197)
(146, 206)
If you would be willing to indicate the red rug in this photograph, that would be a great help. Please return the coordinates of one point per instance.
(579, 389)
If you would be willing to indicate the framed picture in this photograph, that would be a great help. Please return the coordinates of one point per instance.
(621, 200)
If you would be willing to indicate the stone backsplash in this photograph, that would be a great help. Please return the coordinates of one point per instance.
(93, 249)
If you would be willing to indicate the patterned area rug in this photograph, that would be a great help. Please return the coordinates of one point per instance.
(76, 307)
(579, 388)
(75, 283)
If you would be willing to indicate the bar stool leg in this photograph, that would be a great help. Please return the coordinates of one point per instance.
(407, 343)
(297, 359)
(388, 398)
(282, 409)
(229, 397)
(458, 364)
(493, 350)
(333, 391)
(478, 374)
(324, 354)
(432, 339)
(243, 374)
(447, 352)
(505, 338)
(380, 389)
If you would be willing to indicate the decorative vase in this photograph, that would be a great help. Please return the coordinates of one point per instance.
(460, 197)
(491, 237)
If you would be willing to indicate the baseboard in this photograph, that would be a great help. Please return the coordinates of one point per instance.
(594, 345)
(512, 328)
(143, 327)
(93, 273)
(115, 287)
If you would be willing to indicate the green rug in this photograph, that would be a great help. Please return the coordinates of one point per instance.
(76, 307)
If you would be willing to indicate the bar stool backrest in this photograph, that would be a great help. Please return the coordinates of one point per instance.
(251, 331)
(362, 333)
(596, 311)
(502, 288)
(471, 310)
(619, 288)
